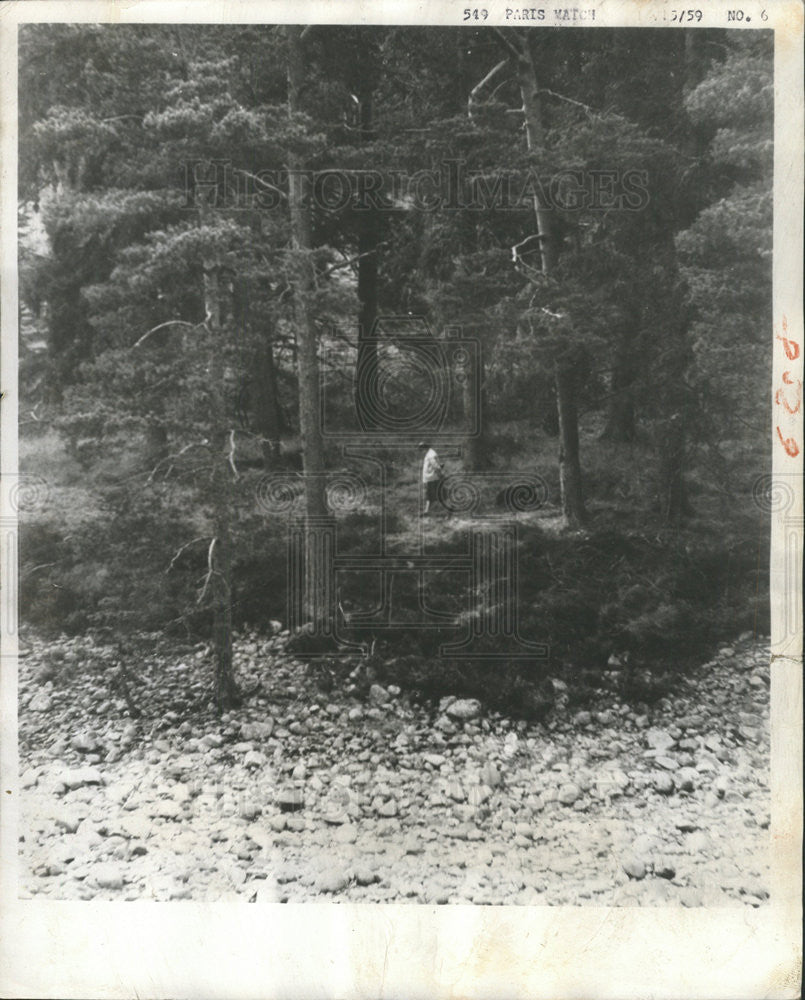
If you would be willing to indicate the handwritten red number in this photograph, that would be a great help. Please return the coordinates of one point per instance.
(790, 445)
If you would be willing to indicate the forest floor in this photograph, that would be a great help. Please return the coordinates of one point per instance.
(305, 795)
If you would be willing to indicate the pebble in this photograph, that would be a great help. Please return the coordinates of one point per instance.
(568, 794)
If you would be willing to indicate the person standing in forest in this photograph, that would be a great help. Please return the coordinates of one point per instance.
(432, 474)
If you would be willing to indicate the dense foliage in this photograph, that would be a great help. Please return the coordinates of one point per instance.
(171, 271)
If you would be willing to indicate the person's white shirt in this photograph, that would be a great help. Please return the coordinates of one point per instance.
(431, 467)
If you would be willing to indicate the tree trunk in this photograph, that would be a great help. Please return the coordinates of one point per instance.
(225, 689)
(569, 462)
(473, 407)
(368, 224)
(268, 416)
(302, 243)
(620, 425)
(569, 465)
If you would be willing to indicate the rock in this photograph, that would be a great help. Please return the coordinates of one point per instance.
(255, 759)
(346, 834)
(582, 718)
(645, 845)
(663, 783)
(455, 792)
(107, 876)
(478, 794)
(41, 702)
(727, 653)
(277, 823)
(211, 741)
(388, 809)
(331, 881)
(664, 868)
(355, 714)
(697, 842)
(365, 876)
(249, 810)
(335, 817)
(490, 775)
(634, 867)
(257, 730)
(290, 799)
(28, 779)
(80, 776)
(568, 794)
(434, 759)
(659, 739)
(67, 820)
(463, 709)
(266, 892)
(85, 743)
(686, 779)
(166, 809)
(378, 695)
(668, 763)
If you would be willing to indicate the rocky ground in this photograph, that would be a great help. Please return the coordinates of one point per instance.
(304, 795)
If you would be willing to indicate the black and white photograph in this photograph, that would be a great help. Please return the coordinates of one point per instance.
(402, 502)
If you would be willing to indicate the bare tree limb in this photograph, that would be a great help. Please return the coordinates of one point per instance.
(172, 458)
(231, 455)
(162, 326)
(569, 100)
(351, 260)
(210, 571)
(186, 545)
(480, 86)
